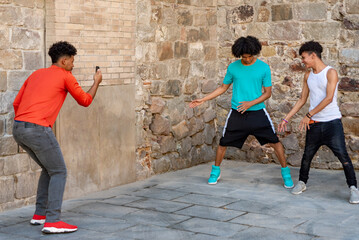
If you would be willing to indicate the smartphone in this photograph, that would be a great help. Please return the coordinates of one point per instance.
(97, 68)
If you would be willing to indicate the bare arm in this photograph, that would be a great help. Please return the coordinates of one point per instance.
(332, 77)
(220, 90)
(244, 106)
(298, 105)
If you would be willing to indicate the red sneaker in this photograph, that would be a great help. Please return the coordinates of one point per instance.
(58, 227)
(37, 220)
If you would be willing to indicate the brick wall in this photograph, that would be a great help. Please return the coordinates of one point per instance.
(102, 31)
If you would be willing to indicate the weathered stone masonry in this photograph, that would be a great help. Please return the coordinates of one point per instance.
(182, 52)
(21, 51)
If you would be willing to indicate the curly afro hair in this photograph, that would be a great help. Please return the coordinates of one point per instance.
(60, 49)
(246, 45)
(312, 47)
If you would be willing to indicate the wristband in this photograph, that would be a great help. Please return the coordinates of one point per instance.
(285, 120)
(308, 115)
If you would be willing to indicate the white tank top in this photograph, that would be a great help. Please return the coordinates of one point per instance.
(317, 84)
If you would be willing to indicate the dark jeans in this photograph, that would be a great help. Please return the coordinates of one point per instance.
(330, 134)
(40, 143)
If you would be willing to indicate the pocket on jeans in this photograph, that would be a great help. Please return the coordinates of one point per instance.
(51, 138)
(32, 138)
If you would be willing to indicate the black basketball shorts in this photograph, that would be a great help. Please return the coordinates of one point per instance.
(238, 126)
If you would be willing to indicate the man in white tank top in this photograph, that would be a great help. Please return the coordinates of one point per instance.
(323, 121)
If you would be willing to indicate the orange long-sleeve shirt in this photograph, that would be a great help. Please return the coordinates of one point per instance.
(41, 97)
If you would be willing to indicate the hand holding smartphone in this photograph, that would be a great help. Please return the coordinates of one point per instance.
(97, 77)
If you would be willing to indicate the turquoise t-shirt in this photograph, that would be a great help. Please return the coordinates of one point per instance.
(248, 82)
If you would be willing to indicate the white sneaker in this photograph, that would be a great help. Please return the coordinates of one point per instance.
(354, 195)
(299, 188)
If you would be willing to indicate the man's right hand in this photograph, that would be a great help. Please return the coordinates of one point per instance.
(196, 103)
(97, 77)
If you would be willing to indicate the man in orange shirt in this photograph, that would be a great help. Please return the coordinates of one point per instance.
(36, 108)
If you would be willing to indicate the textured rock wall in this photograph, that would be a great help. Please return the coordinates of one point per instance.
(176, 54)
(22, 52)
(183, 50)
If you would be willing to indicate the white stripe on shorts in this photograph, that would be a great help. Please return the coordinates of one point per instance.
(225, 125)
(270, 120)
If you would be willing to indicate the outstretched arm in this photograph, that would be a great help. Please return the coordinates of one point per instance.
(298, 105)
(220, 90)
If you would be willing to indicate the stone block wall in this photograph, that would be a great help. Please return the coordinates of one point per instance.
(176, 54)
(183, 50)
(22, 52)
(282, 26)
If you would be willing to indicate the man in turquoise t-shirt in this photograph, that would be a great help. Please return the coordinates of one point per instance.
(248, 81)
(248, 115)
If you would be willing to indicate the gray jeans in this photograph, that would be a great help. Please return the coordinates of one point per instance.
(41, 144)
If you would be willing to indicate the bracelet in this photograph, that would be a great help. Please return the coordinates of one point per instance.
(285, 120)
(308, 115)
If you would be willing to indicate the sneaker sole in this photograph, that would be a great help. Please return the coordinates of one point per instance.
(215, 181)
(297, 193)
(288, 187)
(37, 222)
(50, 230)
(353, 202)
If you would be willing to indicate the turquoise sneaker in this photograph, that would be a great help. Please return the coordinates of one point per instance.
(288, 183)
(215, 175)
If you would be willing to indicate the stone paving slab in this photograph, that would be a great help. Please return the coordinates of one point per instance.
(249, 202)
(103, 210)
(83, 235)
(269, 234)
(328, 231)
(101, 224)
(200, 236)
(12, 236)
(122, 199)
(268, 221)
(23, 229)
(147, 232)
(204, 200)
(206, 226)
(158, 205)
(163, 194)
(211, 213)
(253, 207)
(160, 219)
